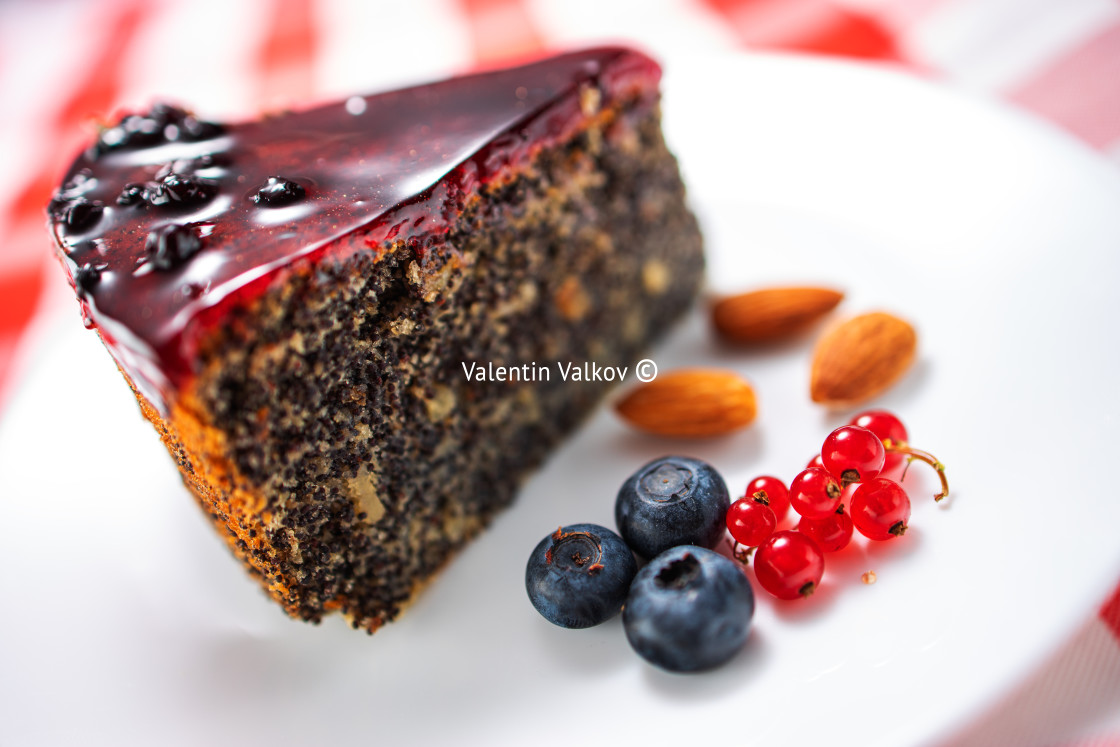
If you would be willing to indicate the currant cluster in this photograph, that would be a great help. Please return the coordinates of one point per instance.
(849, 486)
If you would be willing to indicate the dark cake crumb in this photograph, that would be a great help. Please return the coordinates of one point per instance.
(383, 459)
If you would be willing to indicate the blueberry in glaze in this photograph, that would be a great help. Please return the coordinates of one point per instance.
(672, 501)
(191, 129)
(132, 194)
(87, 276)
(688, 610)
(82, 215)
(133, 131)
(73, 189)
(278, 192)
(579, 575)
(171, 245)
(163, 123)
(180, 189)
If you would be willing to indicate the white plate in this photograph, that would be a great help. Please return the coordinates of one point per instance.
(126, 621)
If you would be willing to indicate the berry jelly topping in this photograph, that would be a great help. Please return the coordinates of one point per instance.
(399, 167)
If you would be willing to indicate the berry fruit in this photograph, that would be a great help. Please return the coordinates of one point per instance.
(171, 245)
(888, 428)
(689, 610)
(831, 533)
(180, 189)
(82, 214)
(853, 454)
(672, 501)
(774, 491)
(880, 509)
(750, 521)
(814, 493)
(579, 575)
(278, 191)
(87, 277)
(789, 565)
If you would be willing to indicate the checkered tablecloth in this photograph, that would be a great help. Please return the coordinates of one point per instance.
(66, 64)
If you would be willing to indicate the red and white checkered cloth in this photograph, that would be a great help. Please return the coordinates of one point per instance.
(67, 63)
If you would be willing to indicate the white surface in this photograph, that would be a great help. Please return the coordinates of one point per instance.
(127, 622)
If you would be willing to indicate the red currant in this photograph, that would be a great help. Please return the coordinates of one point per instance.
(880, 509)
(816, 461)
(750, 521)
(853, 454)
(789, 565)
(892, 434)
(814, 493)
(887, 427)
(831, 533)
(773, 490)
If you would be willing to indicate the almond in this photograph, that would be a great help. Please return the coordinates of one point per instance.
(772, 314)
(860, 358)
(690, 402)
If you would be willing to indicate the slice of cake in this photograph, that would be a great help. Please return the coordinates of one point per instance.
(297, 303)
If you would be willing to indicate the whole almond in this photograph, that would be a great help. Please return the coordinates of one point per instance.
(860, 358)
(690, 402)
(772, 314)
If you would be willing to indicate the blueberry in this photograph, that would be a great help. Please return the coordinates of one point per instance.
(169, 246)
(689, 610)
(193, 128)
(71, 191)
(161, 124)
(87, 277)
(134, 131)
(672, 501)
(579, 575)
(279, 191)
(180, 189)
(82, 214)
(131, 194)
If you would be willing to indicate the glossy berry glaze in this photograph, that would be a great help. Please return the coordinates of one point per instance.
(167, 221)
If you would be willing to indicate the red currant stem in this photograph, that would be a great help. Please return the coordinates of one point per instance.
(741, 552)
(921, 456)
